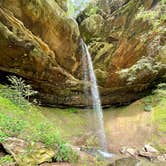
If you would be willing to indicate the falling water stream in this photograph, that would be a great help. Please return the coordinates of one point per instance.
(89, 75)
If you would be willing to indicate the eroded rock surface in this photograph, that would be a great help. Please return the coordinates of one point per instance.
(126, 47)
(41, 44)
(26, 153)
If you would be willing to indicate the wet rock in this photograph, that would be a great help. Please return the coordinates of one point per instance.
(132, 151)
(26, 153)
(149, 148)
(148, 155)
(161, 158)
(129, 151)
(123, 150)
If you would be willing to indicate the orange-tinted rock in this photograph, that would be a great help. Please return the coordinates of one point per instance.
(41, 44)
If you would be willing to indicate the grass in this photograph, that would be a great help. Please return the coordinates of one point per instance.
(159, 118)
(6, 160)
(31, 125)
(69, 123)
(159, 115)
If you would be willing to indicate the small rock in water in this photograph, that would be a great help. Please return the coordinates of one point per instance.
(161, 158)
(123, 150)
(128, 151)
(148, 155)
(164, 156)
(105, 154)
(132, 151)
(149, 148)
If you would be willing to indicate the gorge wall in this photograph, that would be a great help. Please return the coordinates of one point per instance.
(40, 43)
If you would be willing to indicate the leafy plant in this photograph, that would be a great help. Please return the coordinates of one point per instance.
(3, 136)
(155, 17)
(72, 110)
(10, 126)
(18, 92)
(66, 154)
(76, 6)
(141, 68)
(92, 141)
(6, 160)
(22, 89)
(92, 10)
(48, 138)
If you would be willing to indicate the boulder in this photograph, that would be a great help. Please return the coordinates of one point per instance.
(149, 148)
(26, 153)
(148, 155)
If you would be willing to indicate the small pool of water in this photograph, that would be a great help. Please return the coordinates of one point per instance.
(126, 126)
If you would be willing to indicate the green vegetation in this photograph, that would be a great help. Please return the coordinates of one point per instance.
(18, 91)
(66, 154)
(72, 110)
(76, 6)
(142, 67)
(30, 124)
(155, 16)
(159, 115)
(6, 160)
(157, 103)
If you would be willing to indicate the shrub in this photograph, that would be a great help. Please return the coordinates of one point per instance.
(21, 88)
(66, 154)
(48, 135)
(17, 92)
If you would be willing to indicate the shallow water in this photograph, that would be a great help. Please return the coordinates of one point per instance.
(128, 126)
(125, 126)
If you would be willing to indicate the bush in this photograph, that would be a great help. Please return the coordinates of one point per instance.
(66, 154)
(48, 135)
(17, 92)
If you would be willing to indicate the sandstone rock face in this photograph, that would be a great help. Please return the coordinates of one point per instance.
(127, 48)
(41, 44)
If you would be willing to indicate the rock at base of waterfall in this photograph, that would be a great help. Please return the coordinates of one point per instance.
(129, 151)
(149, 148)
(148, 155)
(19, 148)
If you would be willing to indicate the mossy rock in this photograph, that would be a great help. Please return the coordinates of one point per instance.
(148, 108)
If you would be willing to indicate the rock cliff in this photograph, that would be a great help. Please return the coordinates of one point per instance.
(40, 43)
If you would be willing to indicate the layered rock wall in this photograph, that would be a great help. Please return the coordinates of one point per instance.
(41, 44)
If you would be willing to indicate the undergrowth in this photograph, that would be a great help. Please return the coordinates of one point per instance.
(30, 124)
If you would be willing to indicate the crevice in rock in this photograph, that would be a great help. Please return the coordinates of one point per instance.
(2, 151)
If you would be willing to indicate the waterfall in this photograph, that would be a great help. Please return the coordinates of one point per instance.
(89, 75)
